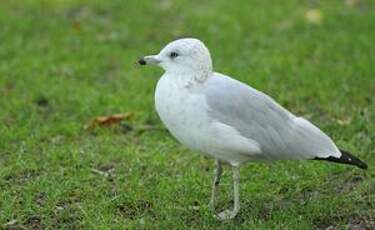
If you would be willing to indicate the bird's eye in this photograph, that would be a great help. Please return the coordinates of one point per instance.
(173, 55)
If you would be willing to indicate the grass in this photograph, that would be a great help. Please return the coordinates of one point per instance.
(63, 63)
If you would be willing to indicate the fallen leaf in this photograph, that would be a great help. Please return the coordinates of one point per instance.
(313, 16)
(109, 120)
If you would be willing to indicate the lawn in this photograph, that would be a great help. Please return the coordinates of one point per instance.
(64, 62)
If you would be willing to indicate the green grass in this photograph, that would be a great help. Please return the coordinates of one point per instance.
(63, 63)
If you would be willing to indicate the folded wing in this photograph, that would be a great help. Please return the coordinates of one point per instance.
(256, 116)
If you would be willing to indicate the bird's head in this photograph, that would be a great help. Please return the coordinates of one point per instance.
(182, 56)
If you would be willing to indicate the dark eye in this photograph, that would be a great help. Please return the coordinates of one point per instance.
(173, 54)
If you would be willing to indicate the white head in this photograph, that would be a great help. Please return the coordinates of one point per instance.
(187, 56)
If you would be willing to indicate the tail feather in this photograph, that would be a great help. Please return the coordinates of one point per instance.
(346, 158)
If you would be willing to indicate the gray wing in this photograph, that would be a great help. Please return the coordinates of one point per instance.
(257, 116)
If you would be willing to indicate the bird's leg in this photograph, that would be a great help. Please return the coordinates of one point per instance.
(230, 214)
(215, 186)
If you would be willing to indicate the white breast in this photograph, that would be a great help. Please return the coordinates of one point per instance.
(182, 113)
(183, 110)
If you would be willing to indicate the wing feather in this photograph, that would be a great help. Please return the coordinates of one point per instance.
(256, 116)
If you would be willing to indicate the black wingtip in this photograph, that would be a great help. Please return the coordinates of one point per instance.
(346, 158)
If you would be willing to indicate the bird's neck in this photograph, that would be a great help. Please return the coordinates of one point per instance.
(186, 79)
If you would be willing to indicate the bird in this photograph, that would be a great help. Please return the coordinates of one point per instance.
(223, 118)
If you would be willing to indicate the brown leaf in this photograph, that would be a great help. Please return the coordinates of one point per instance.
(109, 120)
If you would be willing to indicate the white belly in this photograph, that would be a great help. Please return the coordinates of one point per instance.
(184, 112)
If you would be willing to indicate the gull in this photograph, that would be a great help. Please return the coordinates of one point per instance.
(223, 118)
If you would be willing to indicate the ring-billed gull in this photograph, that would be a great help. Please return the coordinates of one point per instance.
(221, 117)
